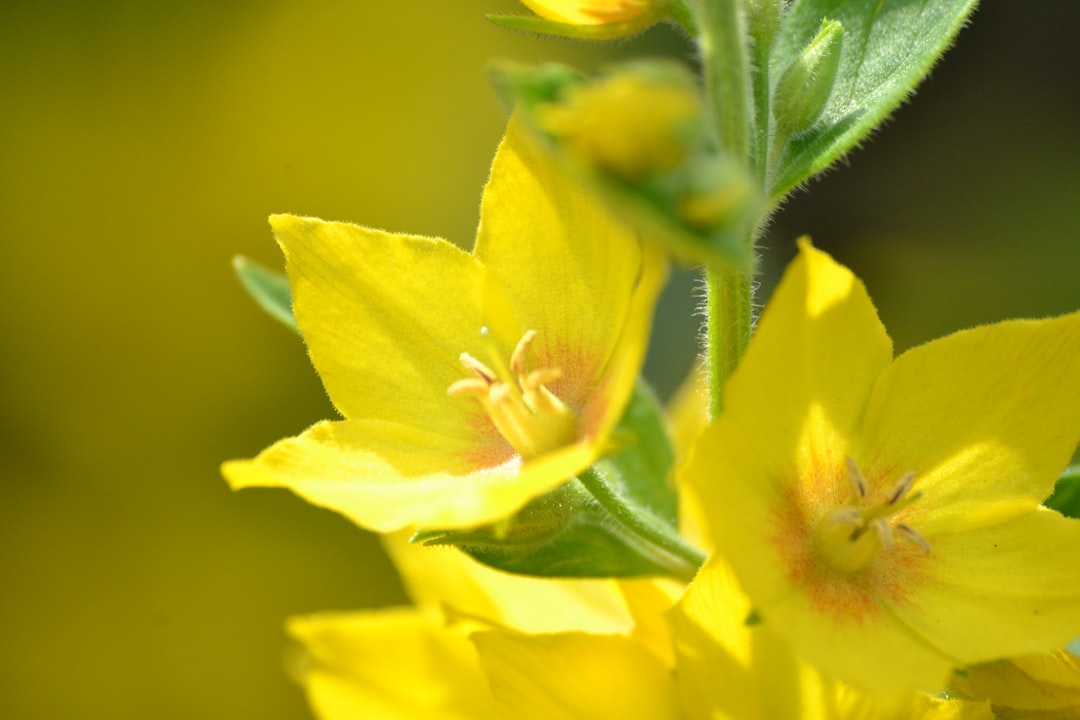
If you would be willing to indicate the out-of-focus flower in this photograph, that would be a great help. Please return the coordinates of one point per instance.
(884, 515)
(1029, 687)
(626, 123)
(418, 662)
(469, 383)
(601, 19)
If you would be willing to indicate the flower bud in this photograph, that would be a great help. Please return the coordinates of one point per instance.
(589, 19)
(628, 124)
(804, 88)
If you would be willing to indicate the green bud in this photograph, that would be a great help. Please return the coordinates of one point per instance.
(805, 86)
(763, 18)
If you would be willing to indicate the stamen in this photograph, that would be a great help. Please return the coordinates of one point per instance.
(914, 537)
(902, 487)
(856, 479)
(468, 386)
(531, 418)
(850, 536)
(521, 353)
(541, 377)
(845, 516)
(481, 370)
(883, 531)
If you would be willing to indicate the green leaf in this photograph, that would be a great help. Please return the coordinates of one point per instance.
(1066, 497)
(269, 289)
(619, 522)
(888, 48)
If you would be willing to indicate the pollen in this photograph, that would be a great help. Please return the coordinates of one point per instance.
(848, 538)
(531, 418)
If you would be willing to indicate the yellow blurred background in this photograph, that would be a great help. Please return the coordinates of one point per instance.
(142, 144)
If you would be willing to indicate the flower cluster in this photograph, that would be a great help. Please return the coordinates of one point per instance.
(875, 540)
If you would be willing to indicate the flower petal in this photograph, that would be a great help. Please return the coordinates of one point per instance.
(575, 676)
(444, 576)
(571, 268)
(397, 664)
(1008, 589)
(986, 419)
(385, 476)
(818, 349)
(790, 406)
(386, 318)
(589, 12)
(718, 649)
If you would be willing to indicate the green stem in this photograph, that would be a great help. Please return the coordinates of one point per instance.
(733, 102)
(723, 39)
(655, 538)
(730, 302)
(761, 155)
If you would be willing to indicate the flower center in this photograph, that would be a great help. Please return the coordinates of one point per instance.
(849, 537)
(527, 414)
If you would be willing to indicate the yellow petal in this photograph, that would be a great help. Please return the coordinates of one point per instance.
(1010, 589)
(1012, 687)
(687, 415)
(818, 349)
(589, 12)
(385, 476)
(986, 419)
(574, 273)
(396, 664)
(933, 708)
(648, 601)
(386, 318)
(718, 650)
(442, 576)
(574, 676)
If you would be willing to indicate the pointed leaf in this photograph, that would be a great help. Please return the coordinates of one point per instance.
(269, 289)
(1066, 497)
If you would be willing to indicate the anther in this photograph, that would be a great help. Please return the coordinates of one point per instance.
(914, 537)
(856, 479)
(541, 377)
(469, 386)
(902, 487)
(480, 369)
(521, 353)
(846, 515)
(883, 531)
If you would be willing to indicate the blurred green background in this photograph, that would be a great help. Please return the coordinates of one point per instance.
(142, 144)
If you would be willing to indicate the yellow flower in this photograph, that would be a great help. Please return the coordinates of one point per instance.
(469, 383)
(418, 662)
(884, 515)
(613, 18)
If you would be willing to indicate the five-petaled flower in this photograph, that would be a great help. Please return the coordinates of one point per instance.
(469, 382)
(885, 514)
